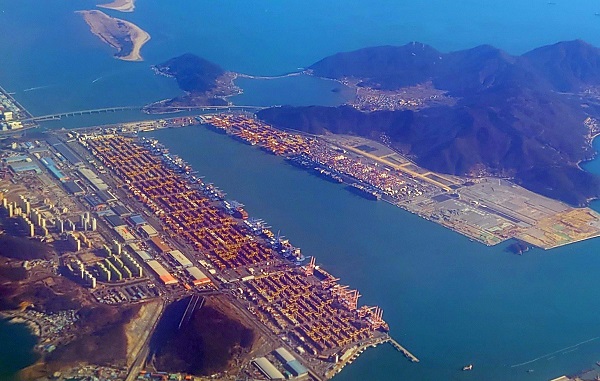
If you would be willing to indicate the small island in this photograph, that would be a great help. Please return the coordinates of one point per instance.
(122, 35)
(205, 84)
(120, 5)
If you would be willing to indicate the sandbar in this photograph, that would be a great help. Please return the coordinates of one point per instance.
(122, 35)
(120, 5)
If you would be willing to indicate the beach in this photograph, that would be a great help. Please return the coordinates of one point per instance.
(120, 5)
(122, 35)
(139, 38)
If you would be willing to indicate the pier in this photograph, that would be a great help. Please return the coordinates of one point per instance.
(355, 352)
(400, 348)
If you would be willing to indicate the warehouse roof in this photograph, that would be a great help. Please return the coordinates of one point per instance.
(268, 369)
(284, 355)
(181, 258)
(72, 187)
(115, 220)
(137, 220)
(296, 368)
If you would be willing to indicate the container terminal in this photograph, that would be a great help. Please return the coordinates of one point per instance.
(320, 319)
(139, 224)
(134, 224)
(485, 209)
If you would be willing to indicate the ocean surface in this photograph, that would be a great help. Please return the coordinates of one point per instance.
(449, 300)
(16, 349)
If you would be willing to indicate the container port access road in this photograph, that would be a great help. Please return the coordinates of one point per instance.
(319, 319)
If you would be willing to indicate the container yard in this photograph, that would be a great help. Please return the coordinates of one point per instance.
(303, 303)
(374, 171)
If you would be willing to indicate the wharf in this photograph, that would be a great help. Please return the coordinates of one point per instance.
(355, 352)
(14, 101)
(400, 348)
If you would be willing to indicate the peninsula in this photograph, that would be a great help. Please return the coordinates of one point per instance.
(477, 112)
(122, 35)
(120, 5)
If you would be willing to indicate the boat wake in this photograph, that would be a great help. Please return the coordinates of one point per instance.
(37, 88)
(97, 79)
(565, 350)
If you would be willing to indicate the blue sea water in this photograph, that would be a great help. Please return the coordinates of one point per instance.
(449, 300)
(16, 349)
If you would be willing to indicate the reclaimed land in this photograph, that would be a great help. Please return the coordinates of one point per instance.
(484, 209)
(122, 35)
(303, 304)
(120, 5)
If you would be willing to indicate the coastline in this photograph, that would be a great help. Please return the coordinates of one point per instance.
(16, 318)
(33, 327)
(115, 33)
(119, 5)
(139, 38)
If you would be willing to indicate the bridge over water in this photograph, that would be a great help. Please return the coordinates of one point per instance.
(44, 118)
(166, 109)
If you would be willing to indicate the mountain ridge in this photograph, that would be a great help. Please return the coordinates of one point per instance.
(515, 116)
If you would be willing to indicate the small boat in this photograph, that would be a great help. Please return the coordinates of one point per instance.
(468, 367)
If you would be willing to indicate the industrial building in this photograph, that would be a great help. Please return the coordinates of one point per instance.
(162, 273)
(200, 279)
(124, 232)
(24, 166)
(137, 220)
(65, 151)
(144, 256)
(15, 159)
(95, 202)
(148, 231)
(268, 369)
(120, 210)
(290, 362)
(160, 245)
(90, 176)
(115, 221)
(73, 188)
(284, 355)
(180, 258)
(106, 196)
(297, 369)
(51, 166)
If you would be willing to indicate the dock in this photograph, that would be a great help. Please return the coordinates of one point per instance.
(400, 348)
